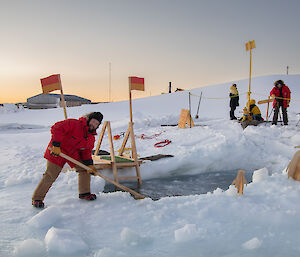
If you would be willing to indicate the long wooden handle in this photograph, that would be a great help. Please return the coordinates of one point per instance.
(135, 194)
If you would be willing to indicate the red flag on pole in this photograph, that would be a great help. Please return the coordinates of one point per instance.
(136, 83)
(51, 83)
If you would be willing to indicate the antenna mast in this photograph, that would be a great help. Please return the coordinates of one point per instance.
(109, 93)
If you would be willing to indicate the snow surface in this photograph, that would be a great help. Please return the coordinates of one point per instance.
(264, 221)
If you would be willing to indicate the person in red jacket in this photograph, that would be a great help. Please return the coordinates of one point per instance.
(282, 97)
(75, 138)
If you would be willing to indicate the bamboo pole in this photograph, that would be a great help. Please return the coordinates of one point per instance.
(268, 109)
(249, 46)
(130, 102)
(135, 194)
(109, 93)
(134, 153)
(122, 149)
(197, 116)
(112, 153)
(62, 98)
(100, 138)
(190, 109)
(249, 92)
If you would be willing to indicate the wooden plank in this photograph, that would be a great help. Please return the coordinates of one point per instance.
(126, 157)
(119, 159)
(106, 161)
(100, 166)
(112, 153)
(125, 164)
(185, 118)
(96, 158)
(127, 178)
(115, 171)
(134, 153)
(265, 101)
(100, 138)
(121, 151)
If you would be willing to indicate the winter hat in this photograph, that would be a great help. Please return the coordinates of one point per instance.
(252, 101)
(278, 82)
(95, 115)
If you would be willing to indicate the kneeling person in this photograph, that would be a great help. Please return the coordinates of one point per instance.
(255, 111)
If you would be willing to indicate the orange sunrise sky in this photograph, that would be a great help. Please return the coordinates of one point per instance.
(190, 43)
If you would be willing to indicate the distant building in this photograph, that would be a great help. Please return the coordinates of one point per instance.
(45, 101)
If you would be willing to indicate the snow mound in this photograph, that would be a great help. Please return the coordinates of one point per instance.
(64, 241)
(7, 108)
(130, 237)
(260, 175)
(252, 244)
(17, 126)
(46, 218)
(30, 248)
(107, 252)
(97, 184)
(187, 233)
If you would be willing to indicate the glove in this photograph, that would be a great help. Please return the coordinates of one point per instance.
(55, 150)
(93, 170)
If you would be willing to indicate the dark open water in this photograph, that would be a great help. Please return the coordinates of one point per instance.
(182, 185)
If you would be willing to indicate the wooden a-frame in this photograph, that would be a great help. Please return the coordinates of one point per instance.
(185, 119)
(101, 163)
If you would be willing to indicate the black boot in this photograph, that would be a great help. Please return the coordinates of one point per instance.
(88, 196)
(37, 203)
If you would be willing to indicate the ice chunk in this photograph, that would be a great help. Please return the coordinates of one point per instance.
(260, 175)
(107, 252)
(46, 218)
(252, 244)
(30, 248)
(64, 241)
(130, 237)
(187, 233)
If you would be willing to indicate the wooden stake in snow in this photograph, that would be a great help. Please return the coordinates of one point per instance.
(185, 118)
(239, 182)
(293, 168)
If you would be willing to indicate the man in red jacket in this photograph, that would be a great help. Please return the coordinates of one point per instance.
(75, 138)
(282, 99)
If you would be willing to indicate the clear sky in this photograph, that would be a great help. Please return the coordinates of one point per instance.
(191, 43)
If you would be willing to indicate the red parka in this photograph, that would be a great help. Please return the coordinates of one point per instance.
(286, 93)
(75, 140)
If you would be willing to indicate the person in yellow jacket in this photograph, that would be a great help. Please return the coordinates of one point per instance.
(254, 111)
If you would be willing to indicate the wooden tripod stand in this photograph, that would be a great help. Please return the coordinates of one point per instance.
(117, 161)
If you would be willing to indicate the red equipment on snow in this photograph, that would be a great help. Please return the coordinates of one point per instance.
(162, 143)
